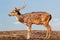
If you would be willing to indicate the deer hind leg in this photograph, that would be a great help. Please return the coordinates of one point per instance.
(28, 31)
(48, 30)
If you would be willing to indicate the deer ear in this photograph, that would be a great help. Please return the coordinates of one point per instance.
(18, 9)
(15, 8)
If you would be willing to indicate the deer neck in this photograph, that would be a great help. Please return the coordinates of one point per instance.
(19, 18)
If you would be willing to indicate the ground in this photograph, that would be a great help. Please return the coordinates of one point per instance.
(21, 35)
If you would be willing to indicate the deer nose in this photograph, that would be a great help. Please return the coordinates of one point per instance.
(9, 14)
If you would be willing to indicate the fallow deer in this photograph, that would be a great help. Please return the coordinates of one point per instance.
(33, 18)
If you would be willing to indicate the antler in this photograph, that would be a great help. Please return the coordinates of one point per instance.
(22, 7)
(19, 8)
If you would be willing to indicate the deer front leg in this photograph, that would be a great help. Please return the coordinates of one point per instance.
(28, 31)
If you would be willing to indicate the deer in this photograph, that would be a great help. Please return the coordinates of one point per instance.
(38, 18)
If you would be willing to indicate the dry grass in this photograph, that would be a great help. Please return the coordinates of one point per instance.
(21, 35)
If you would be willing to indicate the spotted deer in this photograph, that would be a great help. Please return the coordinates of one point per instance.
(33, 18)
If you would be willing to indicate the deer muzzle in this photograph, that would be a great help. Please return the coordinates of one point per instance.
(9, 14)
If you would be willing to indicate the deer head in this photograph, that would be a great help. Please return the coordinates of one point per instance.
(16, 11)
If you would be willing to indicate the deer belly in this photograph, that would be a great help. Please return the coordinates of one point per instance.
(36, 21)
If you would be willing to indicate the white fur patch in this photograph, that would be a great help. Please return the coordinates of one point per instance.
(28, 36)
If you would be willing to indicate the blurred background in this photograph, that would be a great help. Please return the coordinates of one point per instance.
(10, 23)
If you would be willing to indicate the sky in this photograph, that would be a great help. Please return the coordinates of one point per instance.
(10, 23)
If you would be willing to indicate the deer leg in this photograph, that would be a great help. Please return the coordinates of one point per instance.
(28, 31)
(48, 31)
